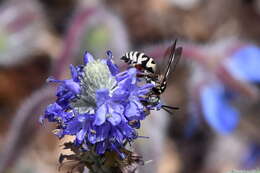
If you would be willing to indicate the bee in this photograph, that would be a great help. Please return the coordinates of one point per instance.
(148, 73)
(140, 61)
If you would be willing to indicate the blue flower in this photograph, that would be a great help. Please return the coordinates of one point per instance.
(101, 106)
(245, 63)
(215, 97)
(54, 112)
(217, 110)
(108, 110)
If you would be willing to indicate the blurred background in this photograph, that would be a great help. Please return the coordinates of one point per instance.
(216, 83)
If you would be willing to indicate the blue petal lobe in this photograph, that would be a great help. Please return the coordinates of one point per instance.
(102, 95)
(88, 58)
(245, 63)
(109, 54)
(112, 67)
(217, 111)
(103, 131)
(73, 127)
(119, 136)
(100, 115)
(74, 73)
(92, 137)
(72, 86)
(81, 135)
(101, 147)
(131, 110)
(115, 118)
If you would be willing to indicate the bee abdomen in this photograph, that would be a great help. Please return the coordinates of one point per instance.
(137, 58)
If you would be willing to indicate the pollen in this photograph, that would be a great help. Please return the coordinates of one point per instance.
(96, 75)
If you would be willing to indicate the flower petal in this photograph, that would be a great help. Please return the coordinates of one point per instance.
(102, 95)
(120, 95)
(127, 130)
(72, 86)
(81, 135)
(92, 137)
(112, 67)
(68, 84)
(245, 63)
(82, 118)
(109, 54)
(115, 118)
(74, 73)
(132, 110)
(103, 131)
(73, 127)
(53, 111)
(115, 107)
(100, 115)
(127, 79)
(217, 111)
(144, 89)
(101, 147)
(88, 58)
(118, 136)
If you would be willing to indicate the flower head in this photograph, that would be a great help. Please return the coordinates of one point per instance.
(99, 105)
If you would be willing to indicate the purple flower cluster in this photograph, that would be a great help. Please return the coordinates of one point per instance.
(99, 105)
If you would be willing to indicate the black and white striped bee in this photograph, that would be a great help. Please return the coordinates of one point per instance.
(140, 61)
(147, 67)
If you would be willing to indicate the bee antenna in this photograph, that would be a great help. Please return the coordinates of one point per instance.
(169, 112)
(170, 107)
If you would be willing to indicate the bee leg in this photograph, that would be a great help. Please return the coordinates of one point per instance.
(144, 74)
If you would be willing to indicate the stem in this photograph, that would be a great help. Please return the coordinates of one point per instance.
(71, 41)
(24, 126)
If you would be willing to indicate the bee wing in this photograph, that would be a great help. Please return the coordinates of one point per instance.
(177, 56)
(169, 53)
(174, 57)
